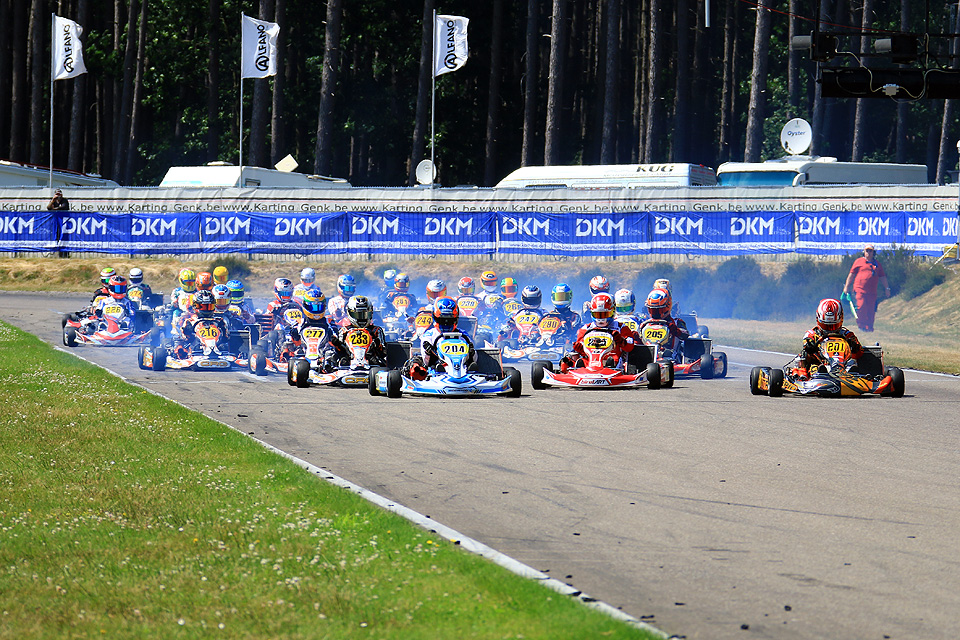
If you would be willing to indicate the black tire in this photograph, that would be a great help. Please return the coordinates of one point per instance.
(899, 383)
(70, 337)
(706, 366)
(755, 381)
(65, 319)
(668, 383)
(723, 370)
(502, 343)
(258, 362)
(292, 372)
(394, 381)
(156, 337)
(653, 375)
(536, 374)
(372, 381)
(516, 383)
(776, 383)
(159, 359)
(301, 372)
(140, 353)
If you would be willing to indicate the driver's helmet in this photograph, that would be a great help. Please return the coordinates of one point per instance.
(283, 289)
(436, 289)
(188, 280)
(117, 286)
(360, 311)
(493, 301)
(204, 303)
(562, 296)
(658, 304)
(445, 313)
(830, 314)
(466, 286)
(663, 283)
(508, 287)
(531, 296)
(602, 309)
(308, 276)
(136, 275)
(314, 304)
(402, 283)
(489, 281)
(599, 284)
(388, 277)
(625, 300)
(105, 274)
(221, 295)
(205, 281)
(220, 275)
(346, 285)
(236, 291)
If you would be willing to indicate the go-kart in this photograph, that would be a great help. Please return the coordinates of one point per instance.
(317, 366)
(207, 350)
(115, 326)
(696, 355)
(469, 305)
(550, 344)
(141, 300)
(524, 331)
(451, 376)
(270, 355)
(838, 374)
(598, 372)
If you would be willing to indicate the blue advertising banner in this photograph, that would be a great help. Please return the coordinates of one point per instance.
(28, 231)
(929, 232)
(573, 234)
(176, 233)
(723, 232)
(305, 233)
(91, 231)
(820, 232)
(422, 232)
(884, 229)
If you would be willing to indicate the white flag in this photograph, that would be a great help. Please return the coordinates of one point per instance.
(66, 51)
(449, 44)
(258, 58)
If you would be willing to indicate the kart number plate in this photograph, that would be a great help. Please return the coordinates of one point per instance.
(208, 332)
(655, 334)
(527, 319)
(358, 339)
(314, 334)
(836, 347)
(598, 340)
(113, 310)
(293, 316)
(400, 303)
(630, 323)
(467, 304)
(549, 324)
(424, 320)
(453, 348)
(511, 307)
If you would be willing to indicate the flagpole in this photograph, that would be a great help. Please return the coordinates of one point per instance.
(53, 41)
(240, 150)
(433, 95)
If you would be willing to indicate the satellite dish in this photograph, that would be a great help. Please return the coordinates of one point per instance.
(426, 172)
(796, 136)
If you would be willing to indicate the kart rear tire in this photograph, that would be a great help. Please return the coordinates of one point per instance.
(513, 343)
(516, 383)
(755, 381)
(70, 337)
(898, 382)
(668, 383)
(301, 373)
(156, 337)
(291, 372)
(159, 359)
(536, 373)
(706, 366)
(140, 353)
(394, 381)
(258, 362)
(722, 357)
(653, 375)
(372, 381)
(776, 383)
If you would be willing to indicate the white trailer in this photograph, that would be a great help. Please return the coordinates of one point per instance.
(610, 176)
(817, 170)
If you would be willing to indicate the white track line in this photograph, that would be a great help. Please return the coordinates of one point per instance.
(471, 545)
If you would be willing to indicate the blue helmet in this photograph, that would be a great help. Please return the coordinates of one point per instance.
(562, 296)
(236, 290)
(346, 285)
(389, 276)
(446, 313)
(314, 304)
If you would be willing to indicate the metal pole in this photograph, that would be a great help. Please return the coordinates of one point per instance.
(240, 149)
(958, 202)
(53, 43)
(433, 94)
(706, 13)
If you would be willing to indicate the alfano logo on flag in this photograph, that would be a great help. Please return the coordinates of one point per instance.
(66, 50)
(449, 44)
(258, 58)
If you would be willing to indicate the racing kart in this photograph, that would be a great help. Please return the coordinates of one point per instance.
(451, 376)
(206, 351)
(317, 367)
(839, 375)
(115, 326)
(269, 354)
(696, 355)
(551, 343)
(598, 372)
(525, 332)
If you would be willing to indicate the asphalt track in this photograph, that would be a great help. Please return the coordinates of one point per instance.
(705, 510)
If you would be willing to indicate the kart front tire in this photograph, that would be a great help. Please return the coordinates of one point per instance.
(706, 366)
(898, 382)
(258, 362)
(776, 383)
(653, 375)
(516, 383)
(394, 381)
(301, 373)
(70, 337)
(536, 374)
(159, 359)
(140, 353)
(291, 373)
(372, 381)
(668, 383)
(755, 381)
(722, 357)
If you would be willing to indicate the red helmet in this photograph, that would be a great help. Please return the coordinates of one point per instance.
(599, 284)
(204, 281)
(602, 308)
(117, 287)
(830, 314)
(466, 286)
(659, 304)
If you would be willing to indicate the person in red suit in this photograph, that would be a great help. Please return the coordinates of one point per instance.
(863, 278)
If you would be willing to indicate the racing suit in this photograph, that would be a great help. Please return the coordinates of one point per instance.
(624, 340)
(145, 293)
(678, 330)
(511, 330)
(571, 321)
(376, 352)
(810, 353)
(416, 367)
(187, 326)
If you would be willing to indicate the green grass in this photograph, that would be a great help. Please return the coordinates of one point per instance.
(124, 515)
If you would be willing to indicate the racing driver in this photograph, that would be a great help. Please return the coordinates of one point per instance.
(602, 310)
(829, 325)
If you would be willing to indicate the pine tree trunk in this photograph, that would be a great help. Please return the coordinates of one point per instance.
(531, 83)
(78, 110)
(257, 155)
(860, 122)
(553, 133)
(423, 92)
(725, 152)
(493, 97)
(213, 80)
(793, 63)
(680, 151)
(611, 84)
(655, 113)
(947, 142)
(20, 102)
(122, 128)
(38, 26)
(136, 107)
(328, 87)
(758, 84)
(278, 141)
(6, 17)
